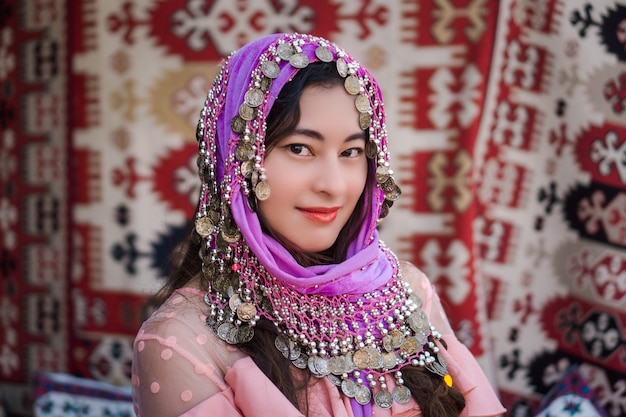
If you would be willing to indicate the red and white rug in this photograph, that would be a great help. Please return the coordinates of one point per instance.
(507, 122)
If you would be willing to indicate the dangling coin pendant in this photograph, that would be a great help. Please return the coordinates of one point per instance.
(401, 394)
(383, 399)
(262, 191)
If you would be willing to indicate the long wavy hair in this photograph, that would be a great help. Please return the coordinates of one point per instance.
(429, 390)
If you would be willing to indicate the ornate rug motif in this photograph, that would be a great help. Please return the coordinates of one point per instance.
(549, 189)
(507, 122)
(35, 217)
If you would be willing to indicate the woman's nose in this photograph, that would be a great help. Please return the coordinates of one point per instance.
(329, 177)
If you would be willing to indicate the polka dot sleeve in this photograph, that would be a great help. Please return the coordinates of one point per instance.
(178, 361)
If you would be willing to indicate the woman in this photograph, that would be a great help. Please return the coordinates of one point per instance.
(285, 302)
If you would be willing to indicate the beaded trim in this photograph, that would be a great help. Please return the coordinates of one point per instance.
(324, 334)
(353, 340)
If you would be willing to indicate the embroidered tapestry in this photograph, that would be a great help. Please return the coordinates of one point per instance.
(507, 124)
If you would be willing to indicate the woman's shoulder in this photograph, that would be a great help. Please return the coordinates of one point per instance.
(181, 309)
(417, 279)
(180, 324)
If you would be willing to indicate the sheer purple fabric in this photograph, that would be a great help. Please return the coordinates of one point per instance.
(366, 267)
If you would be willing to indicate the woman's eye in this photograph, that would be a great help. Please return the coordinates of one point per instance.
(298, 149)
(352, 152)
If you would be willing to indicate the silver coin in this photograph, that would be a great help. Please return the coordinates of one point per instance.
(204, 226)
(312, 365)
(361, 359)
(365, 120)
(397, 338)
(254, 97)
(244, 151)
(350, 366)
(389, 185)
(363, 395)
(342, 67)
(285, 51)
(231, 234)
(383, 399)
(410, 346)
(349, 387)
(246, 168)
(371, 150)
(388, 343)
(234, 302)
(420, 338)
(436, 368)
(245, 334)
(211, 322)
(401, 394)
(237, 124)
(246, 112)
(335, 379)
(232, 335)
(324, 54)
(282, 344)
(382, 174)
(337, 365)
(362, 103)
(322, 366)
(418, 321)
(301, 362)
(270, 69)
(375, 360)
(262, 191)
(384, 211)
(394, 194)
(266, 83)
(254, 178)
(299, 60)
(294, 351)
(223, 329)
(390, 360)
(246, 311)
(352, 85)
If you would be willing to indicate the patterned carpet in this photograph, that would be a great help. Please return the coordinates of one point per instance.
(507, 121)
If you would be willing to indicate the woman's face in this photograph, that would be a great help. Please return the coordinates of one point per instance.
(316, 174)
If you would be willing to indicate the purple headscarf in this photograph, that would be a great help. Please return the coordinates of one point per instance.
(366, 267)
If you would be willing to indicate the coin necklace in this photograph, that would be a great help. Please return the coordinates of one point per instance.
(355, 341)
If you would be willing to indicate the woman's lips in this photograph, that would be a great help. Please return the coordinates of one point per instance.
(320, 214)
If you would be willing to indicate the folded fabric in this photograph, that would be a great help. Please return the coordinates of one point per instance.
(64, 395)
(571, 397)
(53, 381)
(62, 404)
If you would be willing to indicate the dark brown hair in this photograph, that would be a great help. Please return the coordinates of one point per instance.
(434, 397)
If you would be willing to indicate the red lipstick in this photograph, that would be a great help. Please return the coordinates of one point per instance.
(320, 214)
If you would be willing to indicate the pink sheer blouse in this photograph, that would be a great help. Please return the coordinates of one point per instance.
(181, 368)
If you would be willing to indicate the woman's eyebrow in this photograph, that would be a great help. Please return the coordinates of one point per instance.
(314, 134)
